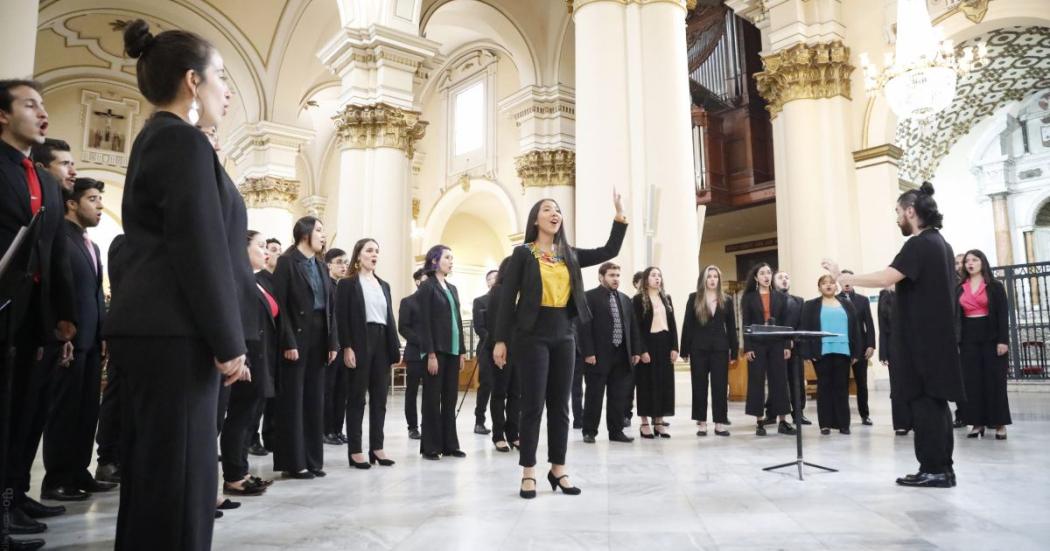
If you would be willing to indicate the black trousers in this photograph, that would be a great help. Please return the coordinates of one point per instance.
(579, 367)
(439, 406)
(860, 376)
(69, 437)
(414, 370)
(30, 403)
(934, 441)
(108, 436)
(833, 391)
(899, 408)
(713, 365)
(610, 377)
(168, 477)
(768, 365)
(245, 400)
(336, 395)
(655, 380)
(505, 405)
(263, 430)
(299, 408)
(485, 368)
(984, 377)
(546, 357)
(796, 383)
(372, 375)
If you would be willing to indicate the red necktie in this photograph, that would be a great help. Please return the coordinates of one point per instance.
(36, 199)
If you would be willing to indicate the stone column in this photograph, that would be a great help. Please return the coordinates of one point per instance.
(878, 186)
(549, 174)
(18, 38)
(1004, 249)
(996, 179)
(270, 203)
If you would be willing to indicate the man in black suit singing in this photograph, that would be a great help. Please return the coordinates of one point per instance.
(484, 348)
(792, 318)
(609, 343)
(867, 328)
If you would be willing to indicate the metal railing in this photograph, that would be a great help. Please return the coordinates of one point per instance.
(1028, 296)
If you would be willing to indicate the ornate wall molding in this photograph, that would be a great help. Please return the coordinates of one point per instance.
(314, 205)
(379, 125)
(805, 71)
(555, 167)
(269, 191)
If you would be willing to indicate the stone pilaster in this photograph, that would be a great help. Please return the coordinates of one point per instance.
(378, 126)
(804, 71)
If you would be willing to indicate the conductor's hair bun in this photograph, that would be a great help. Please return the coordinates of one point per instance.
(926, 188)
(137, 38)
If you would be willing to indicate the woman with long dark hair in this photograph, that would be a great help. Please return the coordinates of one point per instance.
(832, 356)
(503, 404)
(308, 342)
(709, 343)
(442, 344)
(179, 317)
(983, 347)
(542, 291)
(654, 374)
(767, 359)
(368, 335)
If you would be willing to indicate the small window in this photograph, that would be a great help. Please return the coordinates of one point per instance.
(469, 132)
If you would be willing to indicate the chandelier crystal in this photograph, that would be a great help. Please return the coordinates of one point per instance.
(919, 79)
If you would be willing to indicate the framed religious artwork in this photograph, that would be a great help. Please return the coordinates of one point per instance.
(109, 124)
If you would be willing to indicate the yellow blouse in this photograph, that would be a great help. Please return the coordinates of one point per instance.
(557, 288)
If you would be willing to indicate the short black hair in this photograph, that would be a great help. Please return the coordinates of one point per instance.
(44, 153)
(80, 187)
(604, 268)
(637, 277)
(7, 98)
(418, 274)
(490, 272)
(273, 240)
(333, 254)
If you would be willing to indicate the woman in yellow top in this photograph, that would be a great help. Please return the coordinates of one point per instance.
(542, 291)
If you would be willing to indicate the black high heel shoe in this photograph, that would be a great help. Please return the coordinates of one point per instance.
(556, 485)
(362, 465)
(373, 459)
(527, 494)
(649, 436)
(976, 433)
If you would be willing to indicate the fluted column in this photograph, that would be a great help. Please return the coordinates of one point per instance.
(18, 38)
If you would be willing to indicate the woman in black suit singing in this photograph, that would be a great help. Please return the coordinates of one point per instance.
(767, 359)
(654, 374)
(308, 343)
(709, 342)
(368, 335)
(832, 356)
(441, 342)
(542, 293)
(178, 318)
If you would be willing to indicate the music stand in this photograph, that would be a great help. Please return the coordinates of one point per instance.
(776, 332)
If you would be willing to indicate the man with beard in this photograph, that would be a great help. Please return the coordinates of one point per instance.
(792, 318)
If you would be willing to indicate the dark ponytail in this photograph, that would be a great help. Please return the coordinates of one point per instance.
(164, 59)
(925, 207)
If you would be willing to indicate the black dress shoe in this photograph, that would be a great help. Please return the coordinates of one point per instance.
(626, 422)
(93, 486)
(342, 437)
(373, 459)
(481, 429)
(413, 434)
(20, 545)
(901, 432)
(620, 437)
(958, 424)
(825, 431)
(35, 509)
(332, 440)
(527, 494)
(721, 432)
(21, 525)
(926, 480)
(64, 493)
(805, 421)
(866, 421)
(218, 514)
(588, 438)
(258, 450)
(701, 432)
(772, 420)
(785, 428)
(556, 485)
(760, 430)
(301, 475)
(228, 505)
(844, 431)
(455, 453)
(107, 472)
(247, 489)
(430, 456)
(362, 465)
(318, 473)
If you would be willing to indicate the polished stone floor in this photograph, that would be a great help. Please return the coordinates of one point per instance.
(680, 493)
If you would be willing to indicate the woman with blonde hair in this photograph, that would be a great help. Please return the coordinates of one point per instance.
(709, 342)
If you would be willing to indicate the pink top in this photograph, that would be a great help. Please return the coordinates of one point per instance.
(974, 303)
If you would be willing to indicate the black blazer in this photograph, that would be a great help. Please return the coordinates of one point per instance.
(595, 336)
(523, 287)
(115, 264)
(792, 310)
(887, 302)
(998, 310)
(862, 307)
(186, 271)
(719, 333)
(87, 286)
(811, 348)
(408, 326)
(480, 313)
(645, 321)
(435, 318)
(263, 353)
(751, 313)
(353, 325)
(296, 300)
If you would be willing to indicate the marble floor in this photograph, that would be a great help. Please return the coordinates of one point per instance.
(679, 493)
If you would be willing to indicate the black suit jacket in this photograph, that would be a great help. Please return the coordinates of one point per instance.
(719, 333)
(751, 313)
(595, 336)
(645, 321)
(863, 309)
(408, 326)
(115, 264)
(296, 299)
(523, 288)
(435, 318)
(480, 315)
(263, 354)
(887, 302)
(998, 310)
(792, 310)
(353, 325)
(186, 270)
(87, 286)
(811, 348)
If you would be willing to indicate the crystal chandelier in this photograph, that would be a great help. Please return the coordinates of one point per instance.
(919, 80)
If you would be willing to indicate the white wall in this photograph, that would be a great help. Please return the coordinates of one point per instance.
(968, 220)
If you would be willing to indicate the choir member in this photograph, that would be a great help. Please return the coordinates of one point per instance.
(504, 405)
(767, 359)
(408, 327)
(832, 355)
(709, 343)
(654, 375)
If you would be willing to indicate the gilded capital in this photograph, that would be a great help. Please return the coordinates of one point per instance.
(555, 167)
(379, 125)
(269, 191)
(804, 71)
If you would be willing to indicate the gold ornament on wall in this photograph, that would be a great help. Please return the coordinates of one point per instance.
(269, 191)
(379, 125)
(804, 71)
(547, 168)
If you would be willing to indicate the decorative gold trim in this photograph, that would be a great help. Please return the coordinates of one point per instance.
(805, 71)
(974, 10)
(379, 125)
(415, 208)
(556, 167)
(884, 150)
(269, 191)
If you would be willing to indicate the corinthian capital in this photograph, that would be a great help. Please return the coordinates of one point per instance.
(268, 191)
(379, 125)
(804, 71)
(547, 168)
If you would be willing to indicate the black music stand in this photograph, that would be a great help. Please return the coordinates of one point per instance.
(771, 332)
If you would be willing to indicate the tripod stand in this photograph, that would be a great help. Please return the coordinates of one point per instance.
(771, 332)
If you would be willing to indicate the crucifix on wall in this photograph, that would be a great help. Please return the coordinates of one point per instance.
(107, 138)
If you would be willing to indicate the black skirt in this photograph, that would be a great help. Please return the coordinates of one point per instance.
(655, 380)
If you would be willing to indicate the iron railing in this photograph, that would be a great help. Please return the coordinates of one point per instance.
(1028, 296)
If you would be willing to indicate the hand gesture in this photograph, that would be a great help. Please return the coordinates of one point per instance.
(332, 355)
(618, 202)
(645, 358)
(832, 267)
(499, 354)
(674, 356)
(349, 358)
(750, 355)
(787, 353)
(590, 360)
(291, 355)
